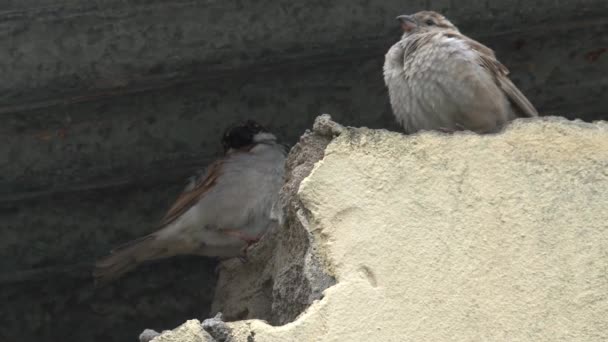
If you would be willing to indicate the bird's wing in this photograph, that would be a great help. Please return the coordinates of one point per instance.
(487, 59)
(191, 194)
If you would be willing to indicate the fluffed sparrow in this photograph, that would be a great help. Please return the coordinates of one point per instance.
(440, 79)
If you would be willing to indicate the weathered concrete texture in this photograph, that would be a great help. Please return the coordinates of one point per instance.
(283, 275)
(79, 47)
(185, 331)
(460, 237)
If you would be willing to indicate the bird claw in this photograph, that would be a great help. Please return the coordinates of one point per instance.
(247, 239)
(245, 257)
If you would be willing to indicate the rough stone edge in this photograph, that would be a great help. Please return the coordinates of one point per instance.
(303, 158)
(191, 331)
(300, 165)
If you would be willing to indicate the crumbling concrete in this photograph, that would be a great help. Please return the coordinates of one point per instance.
(435, 237)
(192, 330)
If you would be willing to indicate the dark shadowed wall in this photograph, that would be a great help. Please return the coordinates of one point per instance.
(107, 106)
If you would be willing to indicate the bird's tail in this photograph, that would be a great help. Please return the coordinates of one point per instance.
(127, 257)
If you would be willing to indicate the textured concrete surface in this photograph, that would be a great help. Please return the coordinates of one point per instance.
(77, 48)
(185, 331)
(458, 237)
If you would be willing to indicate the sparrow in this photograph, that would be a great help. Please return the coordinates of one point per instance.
(221, 212)
(440, 79)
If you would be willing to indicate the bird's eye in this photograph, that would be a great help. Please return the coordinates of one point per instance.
(430, 22)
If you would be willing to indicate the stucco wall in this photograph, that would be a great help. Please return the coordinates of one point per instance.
(458, 237)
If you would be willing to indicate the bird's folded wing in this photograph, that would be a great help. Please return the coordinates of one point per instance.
(191, 195)
(487, 59)
(522, 104)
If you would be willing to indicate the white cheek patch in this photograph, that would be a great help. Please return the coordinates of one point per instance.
(263, 136)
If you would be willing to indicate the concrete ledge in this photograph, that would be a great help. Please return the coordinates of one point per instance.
(460, 237)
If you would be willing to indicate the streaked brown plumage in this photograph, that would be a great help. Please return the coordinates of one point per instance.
(219, 213)
(440, 79)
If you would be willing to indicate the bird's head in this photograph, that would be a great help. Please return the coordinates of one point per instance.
(424, 21)
(245, 134)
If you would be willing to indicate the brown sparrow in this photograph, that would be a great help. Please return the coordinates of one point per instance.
(219, 213)
(440, 79)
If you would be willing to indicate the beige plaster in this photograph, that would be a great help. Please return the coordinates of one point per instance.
(459, 237)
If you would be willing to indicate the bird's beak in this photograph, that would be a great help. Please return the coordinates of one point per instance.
(408, 23)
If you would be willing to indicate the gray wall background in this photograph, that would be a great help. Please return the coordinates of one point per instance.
(107, 106)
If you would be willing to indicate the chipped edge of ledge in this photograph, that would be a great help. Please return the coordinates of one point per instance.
(215, 329)
(325, 126)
